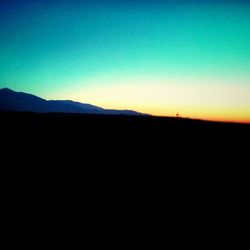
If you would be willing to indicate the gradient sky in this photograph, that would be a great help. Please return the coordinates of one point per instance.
(159, 57)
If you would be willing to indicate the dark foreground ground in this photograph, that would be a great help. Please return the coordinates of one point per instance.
(123, 167)
(132, 146)
(72, 133)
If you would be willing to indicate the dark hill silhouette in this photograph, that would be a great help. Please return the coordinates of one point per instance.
(172, 162)
(150, 140)
(152, 151)
(19, 101)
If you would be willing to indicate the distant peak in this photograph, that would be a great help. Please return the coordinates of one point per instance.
(6, 90)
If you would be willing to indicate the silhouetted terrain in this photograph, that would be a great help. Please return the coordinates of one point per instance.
(81, 131)
(66, 131)
(19, 101)
(146, 155)
(77, 133)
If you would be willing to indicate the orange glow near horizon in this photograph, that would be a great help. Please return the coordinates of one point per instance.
(203, 98)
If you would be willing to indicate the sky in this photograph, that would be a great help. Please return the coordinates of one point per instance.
(190, 57)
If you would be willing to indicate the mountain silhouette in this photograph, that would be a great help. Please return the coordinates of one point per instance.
(19, 101)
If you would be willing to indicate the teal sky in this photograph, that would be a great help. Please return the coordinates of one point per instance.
(51, 47)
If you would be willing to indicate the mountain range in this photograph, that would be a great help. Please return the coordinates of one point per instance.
(18, 101)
